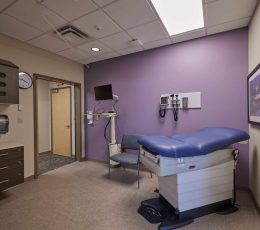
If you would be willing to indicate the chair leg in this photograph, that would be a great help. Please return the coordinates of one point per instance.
(138, 171)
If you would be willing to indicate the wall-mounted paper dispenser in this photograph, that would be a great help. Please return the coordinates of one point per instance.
(4, 124)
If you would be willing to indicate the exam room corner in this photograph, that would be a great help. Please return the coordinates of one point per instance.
(118, 114)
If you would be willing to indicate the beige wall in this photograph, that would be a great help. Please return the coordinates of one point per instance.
(254, 146)
(33, 60)
(44, 115)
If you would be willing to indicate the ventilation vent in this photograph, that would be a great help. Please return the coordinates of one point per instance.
(72, 35)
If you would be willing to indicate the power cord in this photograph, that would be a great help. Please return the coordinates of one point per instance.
(175, 106)
(162, 112)
(175, 114)
(105, 130)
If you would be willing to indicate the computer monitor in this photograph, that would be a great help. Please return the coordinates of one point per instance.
(103, 92)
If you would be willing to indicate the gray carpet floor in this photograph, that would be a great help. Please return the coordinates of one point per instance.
(79, 196)
(49, 161)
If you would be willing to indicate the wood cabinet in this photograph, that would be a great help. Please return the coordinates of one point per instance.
(9, 83)
(11, 167)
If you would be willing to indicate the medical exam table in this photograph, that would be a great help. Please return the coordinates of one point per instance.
(196, 174)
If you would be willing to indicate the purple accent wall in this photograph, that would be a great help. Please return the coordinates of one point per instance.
(215, 65)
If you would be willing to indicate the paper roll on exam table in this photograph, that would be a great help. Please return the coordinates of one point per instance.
(195, 174)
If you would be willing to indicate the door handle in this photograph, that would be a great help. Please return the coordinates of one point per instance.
(67, 126)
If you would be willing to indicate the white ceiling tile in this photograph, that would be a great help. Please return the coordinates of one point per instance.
(103, 2)
(82, 62)
(89, 22)
(159, 43)
(131, 13)
(71, 9)
(130, 50)
(149, 32)
(5, 3)
(95, 44)
(14, 28)
(117, 41)
(30, 12)
(75, 54)
(49, 43)
(207, 1)
(228, 26)
(108, 55)
(222, 11)
(188, 36)
(90, 60)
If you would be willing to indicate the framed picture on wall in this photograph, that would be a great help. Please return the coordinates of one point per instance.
(253, 93)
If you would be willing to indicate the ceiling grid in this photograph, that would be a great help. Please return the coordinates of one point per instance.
(111, 24)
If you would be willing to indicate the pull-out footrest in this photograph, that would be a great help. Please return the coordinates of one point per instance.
(159, 210)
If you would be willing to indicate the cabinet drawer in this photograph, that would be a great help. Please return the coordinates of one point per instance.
(4, 184)
(11, 167)
(11, 154)
(14, 170)
(11, 180)
(16, 179)
(11, 162)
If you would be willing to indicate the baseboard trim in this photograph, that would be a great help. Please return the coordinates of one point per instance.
(28, 178)
(83, 159)
(254, 201)
(242, 188)
(95, 160)
(45, 152)
(252, 197)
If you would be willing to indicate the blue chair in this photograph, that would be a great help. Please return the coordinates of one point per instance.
(128, 158)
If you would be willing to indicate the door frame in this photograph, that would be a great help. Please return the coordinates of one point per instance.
(78, 123)
(65, 87)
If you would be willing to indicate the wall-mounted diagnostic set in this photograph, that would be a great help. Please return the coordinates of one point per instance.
(176, 101)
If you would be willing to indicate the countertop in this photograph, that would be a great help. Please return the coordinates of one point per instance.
(8, 145)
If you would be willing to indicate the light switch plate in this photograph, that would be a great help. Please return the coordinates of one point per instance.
(20, 107)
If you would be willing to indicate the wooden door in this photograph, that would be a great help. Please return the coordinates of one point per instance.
(61, 121)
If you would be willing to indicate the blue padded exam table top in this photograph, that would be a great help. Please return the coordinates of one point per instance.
(196, 143)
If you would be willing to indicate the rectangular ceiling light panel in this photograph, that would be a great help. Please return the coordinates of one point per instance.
(180, 16)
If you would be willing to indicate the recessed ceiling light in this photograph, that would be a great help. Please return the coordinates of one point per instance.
(179, 16)
(95, 49)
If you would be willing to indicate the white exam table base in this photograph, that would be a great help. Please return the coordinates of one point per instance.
(191, 182)
(194, 189)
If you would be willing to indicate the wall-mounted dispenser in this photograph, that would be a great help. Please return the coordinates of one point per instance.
(4, 124)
